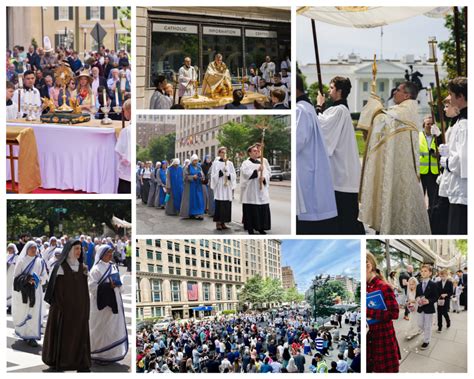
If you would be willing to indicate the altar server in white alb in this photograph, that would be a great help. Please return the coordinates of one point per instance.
(12, 257)
(454, 160)
(29, 277)
(315, 200)
(223, 182)
(187, 77)
(268, 69)
(341, 146)
(28, 96)
(108, 328)
(254, 186)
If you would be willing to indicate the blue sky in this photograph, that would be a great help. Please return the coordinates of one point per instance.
(310, 257)
(399, 39)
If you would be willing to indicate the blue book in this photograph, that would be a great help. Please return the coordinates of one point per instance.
(36, 279)
(115, 278)
(375, 301)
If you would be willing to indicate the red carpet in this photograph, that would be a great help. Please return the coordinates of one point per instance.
(43, 190)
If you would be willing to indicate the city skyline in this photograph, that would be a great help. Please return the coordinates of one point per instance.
(329, 259)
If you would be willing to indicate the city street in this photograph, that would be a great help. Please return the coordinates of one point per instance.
(23, 358)
(447, 351)
(155, 221)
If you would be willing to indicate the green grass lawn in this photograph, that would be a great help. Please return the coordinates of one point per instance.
(360, 142)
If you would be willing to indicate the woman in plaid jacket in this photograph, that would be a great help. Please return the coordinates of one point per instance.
(383, 353)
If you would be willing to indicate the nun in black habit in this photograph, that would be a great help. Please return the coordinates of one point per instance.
(66, 343)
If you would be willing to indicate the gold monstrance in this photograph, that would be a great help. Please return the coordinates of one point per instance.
(63, 76)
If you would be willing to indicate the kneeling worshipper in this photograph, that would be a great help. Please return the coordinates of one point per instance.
(316, 208)
(192, 205)
(174, 188)
(160, 191)
(108, 327)
(12, 257)
(66, 342)
(223, 182)
(254, 186)
(29, 277)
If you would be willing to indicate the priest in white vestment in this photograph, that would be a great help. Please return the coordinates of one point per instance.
(315, 200)
(223, 183)
(29, 277)
(391, 196)
(187, 77)
(341, 146)
(108, 327)
(254, 192)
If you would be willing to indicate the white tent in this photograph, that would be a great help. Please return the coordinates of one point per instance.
(121, 223)
(369, 17)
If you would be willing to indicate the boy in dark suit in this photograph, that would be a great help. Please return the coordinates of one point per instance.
(426, 295)
(445, 291)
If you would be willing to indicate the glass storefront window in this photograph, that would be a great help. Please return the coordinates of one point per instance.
(229, 46)
(259, 48)
(168, 48)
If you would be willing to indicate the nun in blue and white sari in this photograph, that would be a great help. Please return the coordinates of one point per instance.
(108, 328)
(28, 279)
(12, 256)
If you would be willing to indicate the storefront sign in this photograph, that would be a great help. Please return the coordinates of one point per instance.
(260, 33)
(175, 28)
(217, 31)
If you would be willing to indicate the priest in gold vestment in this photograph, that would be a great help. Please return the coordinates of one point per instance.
(217, 80)
(391, 196)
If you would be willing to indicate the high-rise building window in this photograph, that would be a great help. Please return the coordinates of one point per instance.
(156, 290)
(175, 290)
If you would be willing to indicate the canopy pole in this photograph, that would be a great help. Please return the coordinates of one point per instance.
(316, 52)
(464, 11)
(457, 38)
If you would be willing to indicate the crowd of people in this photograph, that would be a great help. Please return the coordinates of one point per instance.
(336, 194)
(207, 187)
(217, 82)
(69, 290)
(422, 295)
(279, 341)
(101, 78)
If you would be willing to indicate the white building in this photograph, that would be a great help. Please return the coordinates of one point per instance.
(390, 73)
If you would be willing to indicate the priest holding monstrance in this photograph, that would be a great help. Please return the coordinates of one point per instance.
(217, 80)
(391, 196)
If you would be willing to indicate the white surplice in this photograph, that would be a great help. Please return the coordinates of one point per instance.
(250, 192)
(222, 191)
(185, 76)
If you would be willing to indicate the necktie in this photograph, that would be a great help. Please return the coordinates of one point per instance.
(424, 286)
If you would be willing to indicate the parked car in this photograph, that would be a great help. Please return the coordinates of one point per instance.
(163, 325)
(276, 173)
(286, 175)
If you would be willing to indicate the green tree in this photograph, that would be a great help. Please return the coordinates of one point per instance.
(449, 47)
(461, 245)
(252, 291)
(143, 154)
(292, 295)
(357, 295)
(272, 290)
(324, 297)
(235, 137)
(313, 91)
(125, 13)
(162, 147)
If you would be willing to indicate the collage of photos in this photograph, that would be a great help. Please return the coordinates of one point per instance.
(194, 189)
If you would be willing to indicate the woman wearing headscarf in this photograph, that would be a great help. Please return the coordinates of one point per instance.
(153, 185)
(192, 205)
(174, 187)
(383, 353)
(12, 257)
(29, 276)
(48, 252)
(66, 343)
(108, 328)
(161, 186)
(206, 172)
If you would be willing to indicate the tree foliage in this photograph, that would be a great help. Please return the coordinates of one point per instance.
(449, 47)
(125, 13)
(461, 245)
(38, 217)
(323, 297)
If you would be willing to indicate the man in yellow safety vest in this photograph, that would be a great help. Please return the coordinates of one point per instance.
(429, 165)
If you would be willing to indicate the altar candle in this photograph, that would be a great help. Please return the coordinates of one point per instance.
(104, 98)
(20, 81)
(116, 97)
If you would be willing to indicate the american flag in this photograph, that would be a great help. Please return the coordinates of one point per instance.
(192, 292)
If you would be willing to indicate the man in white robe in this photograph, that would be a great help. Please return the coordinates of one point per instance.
(341, 146)
(29, 96)
(29, 277)
(108, 327)
(223, 183)
(268, 69)
(254, 192)
(315, 200)
(454, 160)
(187, 77)
(391, 196)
